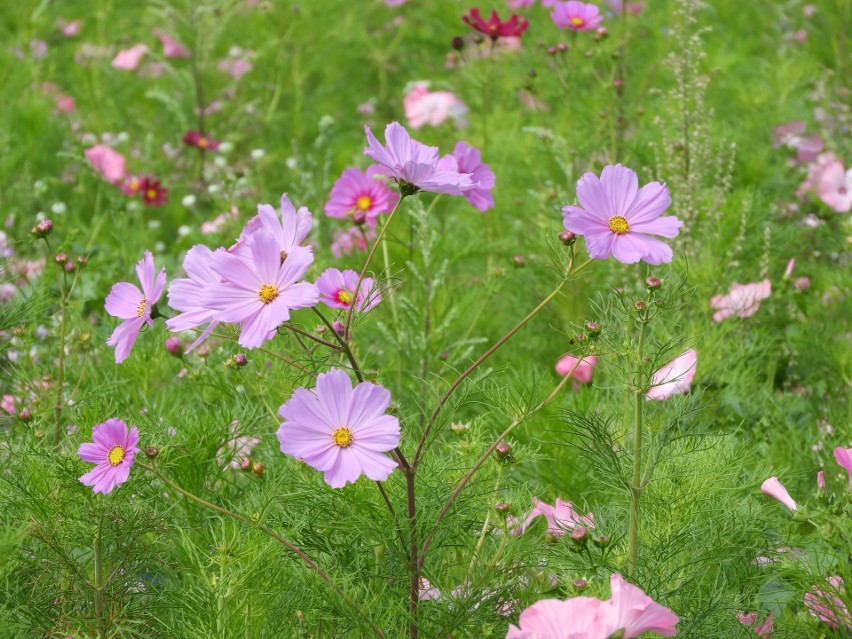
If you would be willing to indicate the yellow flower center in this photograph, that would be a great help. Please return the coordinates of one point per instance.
(151, 194)
(141, 310)
(115, 455)
(618, 225)
(342, 437)
(267, 293)
(345, 297)
(134, 185)
(578, 22)
(203, 143)
(363, 203)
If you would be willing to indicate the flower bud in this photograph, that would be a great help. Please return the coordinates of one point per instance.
(580, 535)
(567, 238)
(653, 283)
(580, 584)
(82, 261)
(339, 328)
(69, 267)
(61, 259)
(43, 228)
(174, 346)
(519, 261)
(151, 452)
(258, 469)
(562, 47)
(246, 464)
(458, 43)
(503, 508)
(503, 450)
(359, 217)
(25, 415)
(659, 303)
(593, 329)
(640, 305)
(551, 50)
(459, 429)
(240, 359)
(602, 541)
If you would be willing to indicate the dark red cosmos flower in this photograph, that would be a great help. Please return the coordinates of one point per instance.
(495, 27)
(196, 139)
(153, 193)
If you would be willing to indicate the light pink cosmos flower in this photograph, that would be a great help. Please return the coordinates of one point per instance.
(70, 29)
(125, 301)
(106, 161)
(339, 430)
(113, 450)
(129, 59)
(582, 373)
(764, 630)
(792, 135)
(675, 377)
(259, 289)
(423, 107)
(561, 518)
(289, 229)
(617, 6)
(843, 456)
(775, 489)
(815, 170)
(7, 403)
(468, 159)
(237, 449)
(337, 290)
(413, 163)
(742, 300)
(618, 218)
(171, 47)
(827, 606)
(346, 242)
(636, 613)
(577, 16)
(357, 193)
(65, 104)
(835, 187)
(186, 294)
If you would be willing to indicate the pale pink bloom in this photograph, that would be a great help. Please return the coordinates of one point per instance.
(171, 47)
(7, 403)
(237, 449)
(809, 10)
(428, 592)
(346, 242)
(38, 48)
(7, 292)
(764, 630)
(235, 68)
(220, 221)
(70, 29)
(186, 294)
(835, 187)
(843, 456)
(675, 377)
(65, 104)
(394, 3)
(289, 228)
(106, 161)
(775, 489)
(802, 284)
(129, 59)
(634, 612)
(561, 518)
(827, 606)
(815, 170)
(742, 300)
(424, 107)
(821, 480)
(577, 16)
(617, 6)
(582, 373)
(468, 159)
(113, 450)
(792, 135)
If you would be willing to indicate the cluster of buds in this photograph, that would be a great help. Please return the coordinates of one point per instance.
(65, 262)
(249, 466)
(559, 48)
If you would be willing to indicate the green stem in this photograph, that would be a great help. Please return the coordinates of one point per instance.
(636, 481)
(60, 374)
(100, 582)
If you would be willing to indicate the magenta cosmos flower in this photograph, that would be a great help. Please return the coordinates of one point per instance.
(125, 301)
(289, 230)
(618, 218)
(843, 456)
(468, 159)
(577, 16)
(413, 164)
(113, 450)
(337, 290)
(186, 294)
(775, 489)
(742, 300)
(675, 377)
(259, 288)
(361, 196)
(339, 430)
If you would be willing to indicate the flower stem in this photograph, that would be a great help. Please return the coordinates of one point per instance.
(60, 368)
(100, 582)
(636, 480)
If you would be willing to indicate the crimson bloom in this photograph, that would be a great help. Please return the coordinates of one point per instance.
(339, 430)
(200, 141)
(135, 307)
(153, 193)
(495, 27)
(113, 449)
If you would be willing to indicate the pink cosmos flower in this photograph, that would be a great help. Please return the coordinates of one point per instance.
(775, 489)
(828, 607)
(675, 377)
(70, 29)
(236, 68)
(337, 290)
(792, 135)
(357, 193)
(843, 456)
(171, 47)
(415, 164)
(835, 187)
(583, 372)
(259, 289)
(617, 6)
(125, 301)
(764, 630)
(618, 218)
(186, 294)
(113, 450)
(468, 159)
(742, 300)
(815, 169)
(423, 106)
(561, 518)
(65, 104)
(7, 403)
(106, 161)
(636, 613)
(289, 230)
(577, 16)
(339, 430)
(129, 59)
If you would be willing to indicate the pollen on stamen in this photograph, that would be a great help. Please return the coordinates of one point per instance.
(267, 293)
(140, 311)
(618, 225)
(578, 22)
(342, 437)
(345, 297)
(363, 203)
(115, 456)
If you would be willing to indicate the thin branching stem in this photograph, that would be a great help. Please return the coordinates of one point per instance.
(636, 481)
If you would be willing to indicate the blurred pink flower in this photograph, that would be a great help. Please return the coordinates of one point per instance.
(821, 480)
(394, 3)
(583, 372)
(843, 456)
(577, 16)
(835, 187)
(617, 6)
(129, 59)
(827, 606)
(70, 29)
(65, 104)
(742, 300)
(561, 518)
(7, 403)
(792, 135)
(775, 489)
(764, 630)
(38, 48)
(106, 161)
(675, 377)
(236, 68)
(802, 283)
(815, 169)
(346, 242)
(424, 107)
(171, 47)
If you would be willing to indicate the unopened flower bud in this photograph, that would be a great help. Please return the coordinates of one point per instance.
(659, 303)
(551, 50)
(85, 337)
(359, 217)
(567, 238)
(580, 534)
(459, 429)
(444, 356)
(339, 328)
(82, 261)
(69, 267)
(503, 450)
(593, 329)
(602, 541)
(246, 464)
(203, 351)
(503, 508)
(174, 346)
(562, 47)
(60, 259)
(580, 584)
(151, 452)
(618, 83)
(25, 415)
(258, 469)
(653, 283)
(43, 228)
(640, 305)
(519, 261)
(458, 43)
(240, 359)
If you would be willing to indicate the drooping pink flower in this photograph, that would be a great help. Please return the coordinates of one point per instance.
(775, 489)
(199, 141)
(125, 301)
(289, 229)
(346, 242)
(792, 135)
(259, 289)
(171, 47)
(675, 377)
(186, 294)
(843, 456)
(742, 300)
(363, 195)
(337, 290)
(468, 159)
(106, 161)
(827, 606)
(584, 370)
(113, 450)
(635, 613)
(618, 218)
(414, 164)
(339, 430)
(129, 59)
(835, 187)
(561, 518)
(577, 16)
(764, 630)
(423, 107)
